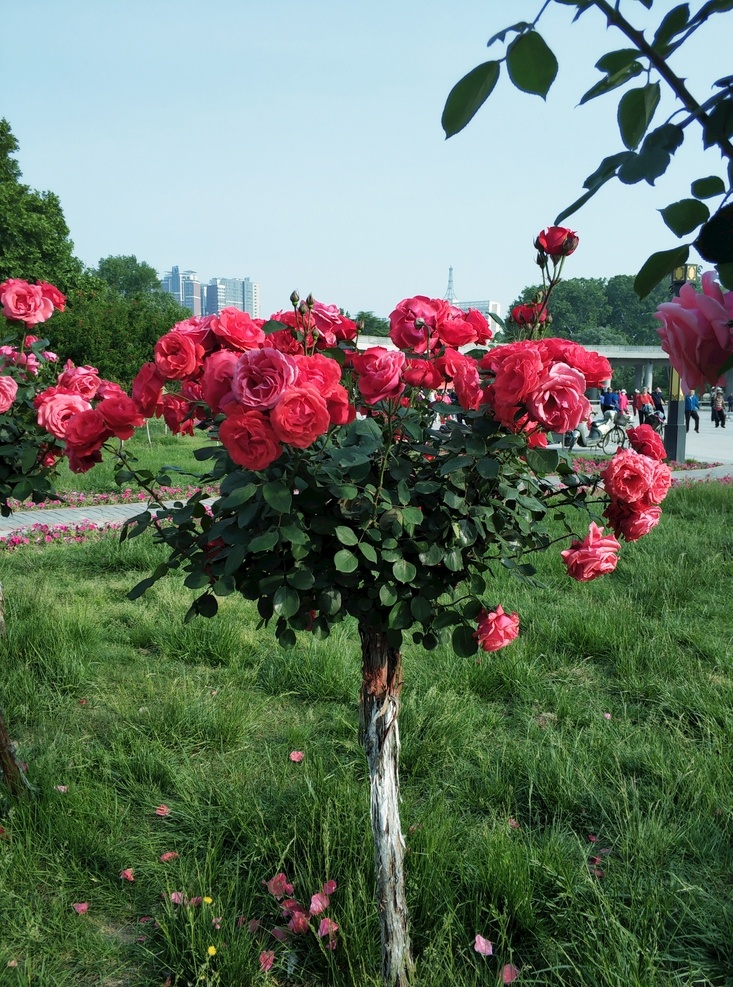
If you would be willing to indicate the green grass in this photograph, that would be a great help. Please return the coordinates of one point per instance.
(202, 717)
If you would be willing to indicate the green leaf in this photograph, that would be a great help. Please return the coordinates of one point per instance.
(654, 156)
(516, 28)
(725, 274)
(400, 616)
(404, 571)
(196, 580)
(433, 556)
(387, 594)
(368, 551)
(531, 65)
(658, 266)
(488, 468)
(301, 579)
(286, 601)
(345, 561)
(264, 542)
(142, 587)
(329, 602)
(453, 560)
(635, 111)
(294, 534)
(613, 61)
(286, 638)
(421, 609)
(468, 96)
(278, 496)
(455, 463)
(706, 188)
(674, 23)
(685, 216)
(543, 460)
(715, 240)
(206, 606)
(612, 81)
(237, 497)
(346, 535)
(463, 641)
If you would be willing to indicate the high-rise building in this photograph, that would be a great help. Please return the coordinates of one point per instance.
(185, 288)
(211, 298)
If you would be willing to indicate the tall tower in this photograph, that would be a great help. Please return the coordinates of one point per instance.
(450, 294)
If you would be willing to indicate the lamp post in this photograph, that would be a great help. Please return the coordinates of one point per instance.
(674, 432)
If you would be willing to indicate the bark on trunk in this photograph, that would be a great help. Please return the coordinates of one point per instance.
(11, 773)
(379, 704)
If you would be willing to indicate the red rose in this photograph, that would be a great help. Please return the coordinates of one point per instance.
(261, 377)
(594, 556)
(467, 384)
(558, 402)
(413, 325)
(300, 416)
(380, 374)
(285, 341)
(121, 415)
(645, 440)
(84, 381)
(8, 391)
(557, 241)
(108, 389)
(177, 414)
(529, 314)
(56, 411)
(320, 372)
(595, 368)
(249, 439)
(24, 302)
(457, 330)
(178, 355)
(146, 388)
(238, 329)
(340, 409)
(85, 434)
(632, 521)
(422, 373)
(216, 382)
(328, 320)
(496, 629)
(199, 329)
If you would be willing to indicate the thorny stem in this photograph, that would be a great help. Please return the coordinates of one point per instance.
(676, 84)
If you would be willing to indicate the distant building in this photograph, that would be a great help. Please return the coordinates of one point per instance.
(185, 288)
(241, 293)
(486, 307)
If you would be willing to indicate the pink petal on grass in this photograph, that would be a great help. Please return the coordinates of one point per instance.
(513, 824)
(168, 855)
(127, 874)
(327, 927)
(162, 810)
(482, 946)
(279, 933)
(607, 716)
(319, 903)
(61, 788)
(267, 958)
(509, 974)
(178, 897)
(329, 887)
(81, 907)
(297, 756)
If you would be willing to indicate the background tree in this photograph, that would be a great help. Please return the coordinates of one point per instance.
(34, 237)
(373, 325)
(631, 315)
(128, 275)
(577, 304)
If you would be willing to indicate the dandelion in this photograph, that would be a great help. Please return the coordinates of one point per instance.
(208, 900)
(211, 950)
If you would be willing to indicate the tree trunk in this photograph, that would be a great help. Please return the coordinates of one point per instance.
(379, 704)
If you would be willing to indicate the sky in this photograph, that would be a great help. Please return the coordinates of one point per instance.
(300, 144)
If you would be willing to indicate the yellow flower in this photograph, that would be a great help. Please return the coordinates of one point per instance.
(211, 950)
(208, 901)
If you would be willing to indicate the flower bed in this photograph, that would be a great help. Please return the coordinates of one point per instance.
(126, 496)
(49, 534)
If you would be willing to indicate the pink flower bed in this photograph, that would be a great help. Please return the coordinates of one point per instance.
(126, 496)
(47, 534)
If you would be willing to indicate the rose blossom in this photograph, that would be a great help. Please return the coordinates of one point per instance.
(529, 314)
(80, 380)
(559, 402)
(8, 391)
(496, 628)
(646, 441)
(327, 319)
(632, 521)
(146, 388)
(24, 302)
(285, 341)
(318, 371)
(199, 329)
(121, 415)
(594, 556)
(467, 385)
(261, 376)
(300, 416)
(238, 329)
(413, 325)
(50, 291)
(85, 434)
(595, 368)
(340, 409)
(557, 241)
(422, 373)
(380, 374)
(630, 477)
(456, 330)
(55, 412)
(216, 382)
(249, 439)
(697, 333)
(279, 886)
(178, 355)
(177, 414)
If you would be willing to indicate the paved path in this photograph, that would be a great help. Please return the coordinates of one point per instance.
(710, 445)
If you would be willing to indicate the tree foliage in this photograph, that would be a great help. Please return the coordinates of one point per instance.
(648, 149)
(127, 275)
(373, 325)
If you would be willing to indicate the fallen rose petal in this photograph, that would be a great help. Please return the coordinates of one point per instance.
(177, 897)
(168, 855)
(319, 903)
(509, 974)
(162, 810)
(329, 887)
(297, 756)
(513, 824)
(127, 874)
(195, 901)
(61, 788)
(12, 964)
(267, 958)
(607, 716)
(482, 946)
(279, 933)
(81, 907)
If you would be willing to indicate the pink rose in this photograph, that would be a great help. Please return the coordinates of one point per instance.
(327, 319)
(200, 330)
(557, 241)
(178, 414)
(80, 380)
(645, 440)
(55, 413)
(594, 556)
(25, 302)
(249, 439)
(147, 388)
(300, 416)
(496, 629)
(559, 402)
(216, 382)
(632, 521)
(8, 391)
(595, 368)
(630, 477)
(238, 329)
(121, 415)
(380, 374)
(108, 389)
(52, 293)
(413, 325)
(697, 333)
(178, 355)
(320, 372)
(467, 384)
(261, 376)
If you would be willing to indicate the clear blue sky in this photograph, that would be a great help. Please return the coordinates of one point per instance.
(300, 143)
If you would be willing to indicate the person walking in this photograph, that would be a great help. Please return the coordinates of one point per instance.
(623, 402)
(644, 404)
(730, 403)
(658, 400)
(717, 403)
(692, 407)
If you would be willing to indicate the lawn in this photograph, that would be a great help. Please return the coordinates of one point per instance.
(568, 798)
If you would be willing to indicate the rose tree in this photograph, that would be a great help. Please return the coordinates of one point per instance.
(349, 488)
